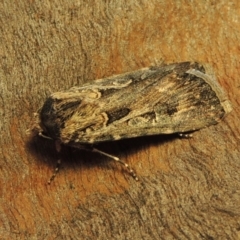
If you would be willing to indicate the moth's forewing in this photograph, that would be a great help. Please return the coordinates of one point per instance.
(150, 101)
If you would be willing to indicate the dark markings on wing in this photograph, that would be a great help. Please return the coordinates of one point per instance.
(117, 114)
(69, 106)
(189, 104)
(107, 92)
(171, 110)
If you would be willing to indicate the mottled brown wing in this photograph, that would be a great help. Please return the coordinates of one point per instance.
(161, 100)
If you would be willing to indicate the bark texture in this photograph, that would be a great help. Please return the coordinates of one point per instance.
(188, 189)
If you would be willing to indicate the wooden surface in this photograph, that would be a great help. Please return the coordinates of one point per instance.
(188, 189)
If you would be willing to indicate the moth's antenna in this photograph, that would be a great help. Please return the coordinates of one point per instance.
(131, 171)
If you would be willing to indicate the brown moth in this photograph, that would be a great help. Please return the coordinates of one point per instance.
(175, 98)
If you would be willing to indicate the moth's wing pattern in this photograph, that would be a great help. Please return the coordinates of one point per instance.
(159, 100)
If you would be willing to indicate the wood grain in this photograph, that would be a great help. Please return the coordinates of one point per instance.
(188, 189)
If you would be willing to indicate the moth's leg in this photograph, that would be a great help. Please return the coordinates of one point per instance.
(92, 149)
(185, 135)
(55, 171)
(58, 148)
(44, 136)
(118, 160)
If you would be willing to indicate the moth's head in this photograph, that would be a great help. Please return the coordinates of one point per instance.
(45, 121)
(48, 120)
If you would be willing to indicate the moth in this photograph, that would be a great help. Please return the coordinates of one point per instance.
(175, 98)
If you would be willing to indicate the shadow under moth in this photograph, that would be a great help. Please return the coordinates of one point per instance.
(174, 98)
